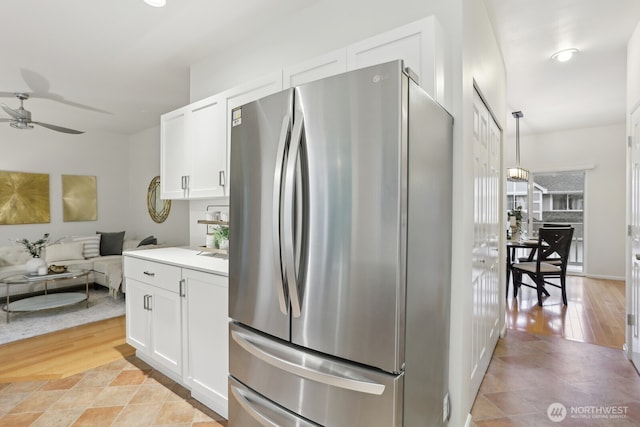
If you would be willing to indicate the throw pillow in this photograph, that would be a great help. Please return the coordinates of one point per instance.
(148, 241)
(64, 252)
(111, 243)
(91, 245)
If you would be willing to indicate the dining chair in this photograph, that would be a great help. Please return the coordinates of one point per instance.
(555, 260)
(552, 254)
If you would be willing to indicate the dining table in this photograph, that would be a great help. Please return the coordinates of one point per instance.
(512, 248)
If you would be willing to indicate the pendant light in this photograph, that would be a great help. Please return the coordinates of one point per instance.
(517, 174)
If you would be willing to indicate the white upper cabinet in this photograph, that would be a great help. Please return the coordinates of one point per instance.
(318, 68)
(193, 150)
(420, 44)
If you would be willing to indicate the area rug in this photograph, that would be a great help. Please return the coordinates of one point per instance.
(26, 325)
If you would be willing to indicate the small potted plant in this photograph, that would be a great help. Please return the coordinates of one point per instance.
(221, 234)
(35, 264)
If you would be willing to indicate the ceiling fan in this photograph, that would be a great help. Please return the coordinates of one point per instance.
(21, 118)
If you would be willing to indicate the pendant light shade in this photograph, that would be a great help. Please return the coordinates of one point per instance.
(517, 174)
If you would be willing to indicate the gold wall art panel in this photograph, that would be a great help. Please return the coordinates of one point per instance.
(24, 198)
(79, 198)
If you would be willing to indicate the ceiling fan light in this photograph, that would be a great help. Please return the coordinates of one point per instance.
(20, 125)
(564, 55)
(156, 3)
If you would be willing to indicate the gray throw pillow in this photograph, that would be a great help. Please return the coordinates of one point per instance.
(111, 243)
(148, 241)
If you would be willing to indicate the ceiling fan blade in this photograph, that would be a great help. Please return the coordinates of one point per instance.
(10, 111)
(58, 128)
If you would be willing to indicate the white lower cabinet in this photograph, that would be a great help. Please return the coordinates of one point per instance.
(205, 331)
(177, 321)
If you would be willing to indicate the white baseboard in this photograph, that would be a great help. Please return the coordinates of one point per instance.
(469, 421)
(603, 277)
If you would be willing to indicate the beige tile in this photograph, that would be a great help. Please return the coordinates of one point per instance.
(137, 415)
(150, 393)
(19, 420)
(129, 377)
(38, 401)
(63, 384)
(98, 417)
(58, 417)
(77, 397)
(114, 396)
(175, 413)
(97, 379)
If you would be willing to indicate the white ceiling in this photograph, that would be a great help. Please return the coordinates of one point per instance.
(587, 91)
(117, 65)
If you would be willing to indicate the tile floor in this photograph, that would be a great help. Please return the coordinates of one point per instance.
(529, 372)
(124, 393)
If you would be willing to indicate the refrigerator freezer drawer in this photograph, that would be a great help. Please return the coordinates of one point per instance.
(325, 390)
(248, 409)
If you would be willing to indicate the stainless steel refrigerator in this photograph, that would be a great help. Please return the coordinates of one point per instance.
(340, 249)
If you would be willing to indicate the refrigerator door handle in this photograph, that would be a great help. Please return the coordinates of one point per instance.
(278, 254)
(331, 374)
(289, 235)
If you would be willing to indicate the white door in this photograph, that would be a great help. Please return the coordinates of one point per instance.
(174, 155)
(166, 329)
(485, 277)
(137, 316)
(205, 325)
(206, 131)
(633, 285)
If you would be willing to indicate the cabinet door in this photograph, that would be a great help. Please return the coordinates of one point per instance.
(419, 44)
(166, 329)
(174, 154)
(318, 68)
(207, 135)
(205, 325)
(137, 318)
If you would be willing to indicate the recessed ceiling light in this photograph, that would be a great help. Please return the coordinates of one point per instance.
(564, 55)
(156, 3)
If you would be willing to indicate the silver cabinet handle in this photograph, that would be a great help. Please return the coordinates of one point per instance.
(221, 179)
(278, 254)
(315, 369)
(289, 234)
(149, 273)
(149, 302)
(181, 290)
(183, 184)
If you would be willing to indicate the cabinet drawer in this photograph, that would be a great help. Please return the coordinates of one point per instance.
(153, 273)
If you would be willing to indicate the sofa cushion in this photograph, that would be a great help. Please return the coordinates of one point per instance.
(91, 245)
(13, 255)
(64, 252)
(111, 243)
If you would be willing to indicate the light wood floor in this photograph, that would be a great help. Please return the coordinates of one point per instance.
(595, 312)
(64, 353)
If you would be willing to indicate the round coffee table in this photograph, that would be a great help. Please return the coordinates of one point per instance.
(47, 300)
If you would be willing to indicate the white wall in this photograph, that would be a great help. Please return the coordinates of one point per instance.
(602, 150)
(123, 167)
(144, 152)
(43, 151)
(481, 62)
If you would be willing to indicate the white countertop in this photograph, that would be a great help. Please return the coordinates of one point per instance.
(183, 257)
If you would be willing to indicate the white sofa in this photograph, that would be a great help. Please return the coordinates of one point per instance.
(73, 252)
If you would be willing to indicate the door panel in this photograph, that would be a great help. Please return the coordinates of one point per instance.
(633, 287)
(485, 279)
(256, 295)
(350, 275)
